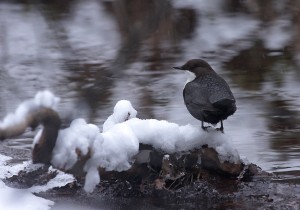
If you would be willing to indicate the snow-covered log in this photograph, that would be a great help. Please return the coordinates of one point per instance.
(83, 149)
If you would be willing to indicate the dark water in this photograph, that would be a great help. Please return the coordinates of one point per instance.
(93, 53)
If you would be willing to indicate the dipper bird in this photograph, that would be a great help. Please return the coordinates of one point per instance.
(206, 95)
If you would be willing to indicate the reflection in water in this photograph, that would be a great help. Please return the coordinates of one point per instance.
(94, 53)
(249, 68)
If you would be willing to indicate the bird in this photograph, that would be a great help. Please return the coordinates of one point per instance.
(207, 95)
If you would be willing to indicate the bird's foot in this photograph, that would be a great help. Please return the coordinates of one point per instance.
(205, 128)
(220, 129)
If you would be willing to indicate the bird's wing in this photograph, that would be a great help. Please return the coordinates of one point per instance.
(195, 95)
(218, 89)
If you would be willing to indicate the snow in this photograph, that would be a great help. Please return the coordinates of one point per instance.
(116, 147)
(60, 180)
(7, 170)
(42, 99)
(171, 138)
(115, 153)
(25, 199)
(15, 199)
(78, 137)
(37, 137)
(123, 111)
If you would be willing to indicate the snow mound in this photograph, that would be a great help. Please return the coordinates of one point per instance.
(116, 147)
(73, 141)
(123, 111)
(113, 149)
(171, 138)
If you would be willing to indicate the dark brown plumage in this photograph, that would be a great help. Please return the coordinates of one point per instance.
(207, 96)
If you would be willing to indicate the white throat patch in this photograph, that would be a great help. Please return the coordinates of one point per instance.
(190, 76)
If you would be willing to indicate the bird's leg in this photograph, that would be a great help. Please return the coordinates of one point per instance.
(204, 127)
(222, 127)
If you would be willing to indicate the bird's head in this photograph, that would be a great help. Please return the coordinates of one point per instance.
(195, 68)
(194, 65)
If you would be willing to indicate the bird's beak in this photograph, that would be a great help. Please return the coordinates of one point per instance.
(177, 67)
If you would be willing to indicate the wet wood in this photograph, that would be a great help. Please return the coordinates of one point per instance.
(171, 165)
(198, 175)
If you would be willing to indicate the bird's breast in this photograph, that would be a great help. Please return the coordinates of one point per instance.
(190, 77)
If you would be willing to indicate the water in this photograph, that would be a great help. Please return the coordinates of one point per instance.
(94, 53)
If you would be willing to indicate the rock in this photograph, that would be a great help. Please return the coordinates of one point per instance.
(211, 161)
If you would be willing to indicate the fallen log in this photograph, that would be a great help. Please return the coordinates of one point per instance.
(204, 157)
(187, 171)
(126, 146)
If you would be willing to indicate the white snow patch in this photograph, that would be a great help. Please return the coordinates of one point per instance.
(37, 137)
(115, 153)
(42, 99)
(8, 170)
(60, 180)
(78, 137)
(116, 148)
(123, 111)
(171, 137)
(15, 199)
(92, 179)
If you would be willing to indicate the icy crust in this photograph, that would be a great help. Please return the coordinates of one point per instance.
(42, 99)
